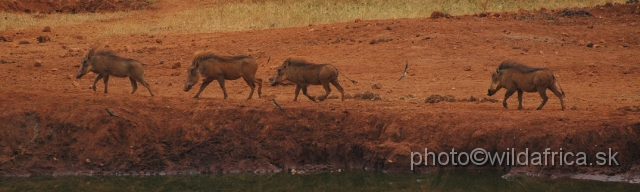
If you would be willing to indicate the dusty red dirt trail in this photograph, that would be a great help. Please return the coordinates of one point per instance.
(53, 124)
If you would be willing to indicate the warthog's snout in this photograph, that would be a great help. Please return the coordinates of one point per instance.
(187, 87)
(491, 92)
(273, 81)
(79, 75)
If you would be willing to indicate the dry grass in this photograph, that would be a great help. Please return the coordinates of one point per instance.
(238, 15)
(18, 21)
(242, 16)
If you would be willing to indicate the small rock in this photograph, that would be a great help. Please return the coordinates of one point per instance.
(590, 45)
(436, 14)
(435, 98)
(46, 29)
(466, 68)
(23, 42)
(170, 84)
(176, 65)
(159, 41)
(54, 69)
(43, 39)
(367, 95)
(38, 63)
(4, 39)
(388, 28)
(376, 86)
(74, 50)
(87, 160)
(358, 20)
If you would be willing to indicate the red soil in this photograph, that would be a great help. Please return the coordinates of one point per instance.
(54, 124)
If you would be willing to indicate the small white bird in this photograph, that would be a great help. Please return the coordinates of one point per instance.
(405, 71)
(277, 105)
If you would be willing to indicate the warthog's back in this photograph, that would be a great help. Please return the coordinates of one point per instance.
(115, 65)
(529, 81)
(232, 67)
(310, 73)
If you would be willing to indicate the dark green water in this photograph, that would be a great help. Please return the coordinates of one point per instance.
(345, 181)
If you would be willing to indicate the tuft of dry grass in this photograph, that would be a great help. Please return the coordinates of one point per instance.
(236, 15)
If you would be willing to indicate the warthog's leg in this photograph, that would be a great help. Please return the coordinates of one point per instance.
(204, 85)
(295, 98)
(134, 85)
(337, 85)
(221, 82)
(251, 84)
(138, 77)
(96, 81)
(146, 85)
(543, 94)
(106, 82)
(558, 93)
(506, 96)
(520, 93)
(259, 82)
(327, 89)
(304, 91)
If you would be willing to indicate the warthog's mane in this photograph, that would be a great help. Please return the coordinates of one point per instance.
(522, 68)
(204, 55)
(106, 53)
(302, 62)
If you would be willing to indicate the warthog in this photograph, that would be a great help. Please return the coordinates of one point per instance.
(518, 77)
(215, 67)
(106, 63)
(303, 73)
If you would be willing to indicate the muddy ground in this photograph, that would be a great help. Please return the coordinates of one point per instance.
(54, 124)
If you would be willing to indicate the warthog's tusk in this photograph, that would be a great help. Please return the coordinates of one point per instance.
(406, 65)
(277, 105)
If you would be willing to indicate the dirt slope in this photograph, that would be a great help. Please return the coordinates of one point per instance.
(54, 124)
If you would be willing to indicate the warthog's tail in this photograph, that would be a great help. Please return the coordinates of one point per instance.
(345, 76)
(557, 83)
